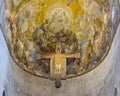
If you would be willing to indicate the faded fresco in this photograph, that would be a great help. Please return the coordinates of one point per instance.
(60, 38)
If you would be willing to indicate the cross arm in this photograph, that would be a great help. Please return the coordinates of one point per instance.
(75, 55)
(45, 56)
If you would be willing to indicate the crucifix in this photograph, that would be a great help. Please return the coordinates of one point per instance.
(58, 64)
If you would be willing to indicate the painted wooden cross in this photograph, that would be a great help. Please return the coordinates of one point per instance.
(58, 64)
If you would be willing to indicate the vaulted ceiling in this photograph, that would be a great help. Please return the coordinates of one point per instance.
(40, 27)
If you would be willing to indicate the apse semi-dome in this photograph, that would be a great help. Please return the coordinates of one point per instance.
(61, 39)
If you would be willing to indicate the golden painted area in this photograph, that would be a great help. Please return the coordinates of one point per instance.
(80, 31)
(77, 7)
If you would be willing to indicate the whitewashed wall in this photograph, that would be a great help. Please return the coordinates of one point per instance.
(3, 63)
(3, 49)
